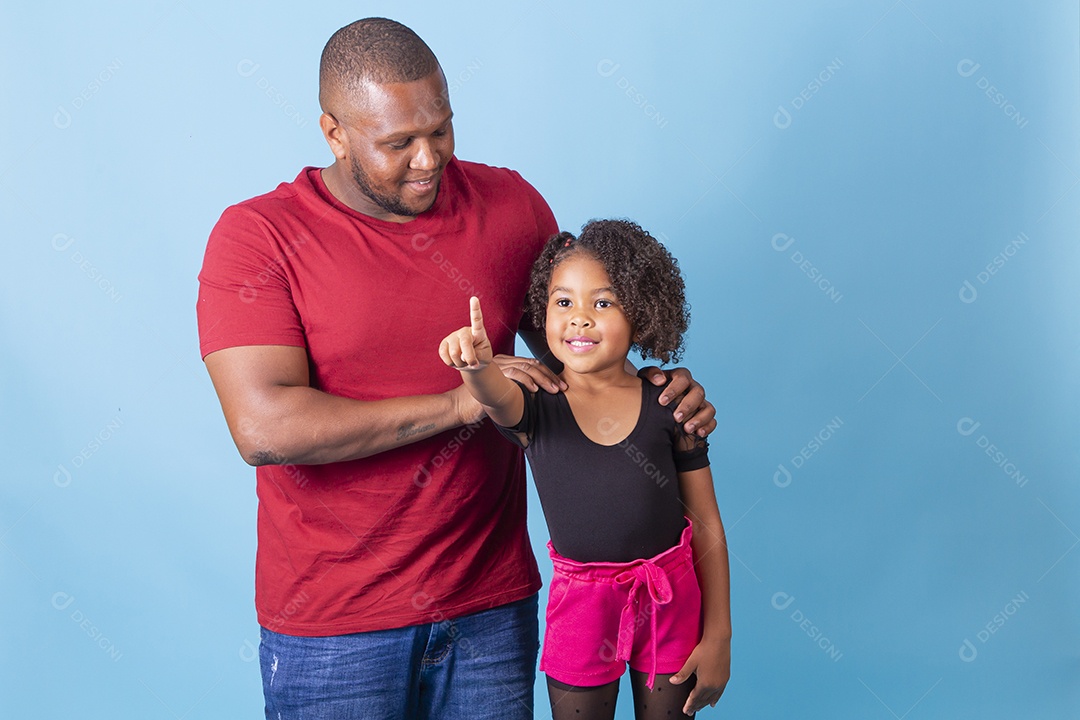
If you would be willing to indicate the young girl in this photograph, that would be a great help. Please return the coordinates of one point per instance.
(640, 561)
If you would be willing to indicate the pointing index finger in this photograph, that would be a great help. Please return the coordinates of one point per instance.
(476, 316)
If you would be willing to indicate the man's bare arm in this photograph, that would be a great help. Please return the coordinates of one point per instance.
(277, 418)
(536, 341)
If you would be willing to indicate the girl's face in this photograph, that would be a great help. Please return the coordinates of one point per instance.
(586, 327)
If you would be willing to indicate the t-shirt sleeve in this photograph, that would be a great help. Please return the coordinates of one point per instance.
(245, 297)
(546, 226)
(527, 424)
(545, 219)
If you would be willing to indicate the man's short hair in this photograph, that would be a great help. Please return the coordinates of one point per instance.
(373, 50)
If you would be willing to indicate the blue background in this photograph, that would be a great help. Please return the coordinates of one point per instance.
(870, 560)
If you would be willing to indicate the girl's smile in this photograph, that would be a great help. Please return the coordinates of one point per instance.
(581, 344)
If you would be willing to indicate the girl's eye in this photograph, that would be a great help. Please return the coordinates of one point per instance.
(562, 302)
(604, 303)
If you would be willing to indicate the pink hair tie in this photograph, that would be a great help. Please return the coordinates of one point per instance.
(565, 245)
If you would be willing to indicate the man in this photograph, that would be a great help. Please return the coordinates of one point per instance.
(394, 575)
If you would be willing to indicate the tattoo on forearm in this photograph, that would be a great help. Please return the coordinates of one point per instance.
(410, 429)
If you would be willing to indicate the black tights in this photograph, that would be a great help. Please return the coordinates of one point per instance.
(664, 702)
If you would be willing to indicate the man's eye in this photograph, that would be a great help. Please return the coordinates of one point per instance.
(401, 145)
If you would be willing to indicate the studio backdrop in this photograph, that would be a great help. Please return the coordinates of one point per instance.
(875, 205)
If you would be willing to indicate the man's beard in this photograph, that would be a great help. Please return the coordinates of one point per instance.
(391, 204)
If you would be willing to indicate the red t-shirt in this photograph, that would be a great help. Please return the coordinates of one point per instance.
(428, 531)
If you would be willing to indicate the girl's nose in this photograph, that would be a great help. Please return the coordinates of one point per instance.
(581, 320)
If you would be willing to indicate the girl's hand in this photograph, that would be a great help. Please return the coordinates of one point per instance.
(468, 349)
(711, 662)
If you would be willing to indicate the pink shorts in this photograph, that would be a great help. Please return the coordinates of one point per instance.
(602, 615)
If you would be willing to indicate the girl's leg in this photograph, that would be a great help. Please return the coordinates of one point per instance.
(570, 702)
(664, 702)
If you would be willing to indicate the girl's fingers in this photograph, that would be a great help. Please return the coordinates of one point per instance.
(476, 319)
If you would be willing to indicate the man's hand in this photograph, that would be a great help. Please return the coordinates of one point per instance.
(711, 662)
(530, 372)
(468, 349)
(701, 413)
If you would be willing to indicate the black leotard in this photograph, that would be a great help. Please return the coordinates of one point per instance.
(609, 504)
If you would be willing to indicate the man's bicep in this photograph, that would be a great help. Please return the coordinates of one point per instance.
(245, 376)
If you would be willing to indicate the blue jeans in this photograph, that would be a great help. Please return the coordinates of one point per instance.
(478, 666)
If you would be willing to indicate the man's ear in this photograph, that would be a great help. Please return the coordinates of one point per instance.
(335, 133)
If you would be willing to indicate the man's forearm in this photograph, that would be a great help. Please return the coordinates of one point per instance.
(536, 341)
(304, 426)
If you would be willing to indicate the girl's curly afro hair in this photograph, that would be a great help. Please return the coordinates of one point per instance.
(646, 278)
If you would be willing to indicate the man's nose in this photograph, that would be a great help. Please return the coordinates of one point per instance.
(427, 156)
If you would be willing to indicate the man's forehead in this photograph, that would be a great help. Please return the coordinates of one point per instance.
(399, 106)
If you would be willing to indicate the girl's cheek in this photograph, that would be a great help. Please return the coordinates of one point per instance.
(551, 330)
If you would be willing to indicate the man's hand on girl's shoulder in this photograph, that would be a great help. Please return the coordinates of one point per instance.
(698, 413)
